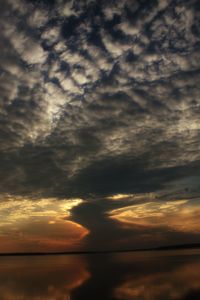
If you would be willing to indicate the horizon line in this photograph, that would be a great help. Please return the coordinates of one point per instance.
(169, 247)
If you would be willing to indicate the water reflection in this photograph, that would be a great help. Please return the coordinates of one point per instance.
(41, 278)
(138, 276)
(163, 282)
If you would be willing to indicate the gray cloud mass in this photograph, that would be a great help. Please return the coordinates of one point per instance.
(98, 97)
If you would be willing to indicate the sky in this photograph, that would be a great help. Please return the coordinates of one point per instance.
(99, 124)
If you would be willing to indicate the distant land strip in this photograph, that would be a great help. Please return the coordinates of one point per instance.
(170, 247)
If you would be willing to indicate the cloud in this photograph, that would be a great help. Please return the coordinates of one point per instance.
(39, 225)
(98, 98)
(170, 214)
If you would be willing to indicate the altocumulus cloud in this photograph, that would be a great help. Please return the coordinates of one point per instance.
(98, 97)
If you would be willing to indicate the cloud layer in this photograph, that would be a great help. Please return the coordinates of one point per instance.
(98, 97)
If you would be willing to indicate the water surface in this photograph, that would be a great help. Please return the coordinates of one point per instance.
(154, 275)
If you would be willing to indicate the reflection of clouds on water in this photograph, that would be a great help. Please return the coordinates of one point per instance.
(160, 275)
(41, 278)
(162, 285)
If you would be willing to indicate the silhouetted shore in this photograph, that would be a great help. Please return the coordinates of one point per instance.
(170, 247)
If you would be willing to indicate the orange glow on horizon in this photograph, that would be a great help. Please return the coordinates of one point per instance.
(39, 226)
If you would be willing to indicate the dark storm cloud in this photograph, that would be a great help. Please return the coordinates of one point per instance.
(109, 233)
(98, 97)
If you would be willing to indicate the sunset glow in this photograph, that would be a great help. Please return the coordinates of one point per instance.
(173, 215)
(39, 225)
(99, 149)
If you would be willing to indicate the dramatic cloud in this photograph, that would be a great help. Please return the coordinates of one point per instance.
(39, 225)
(98, 98)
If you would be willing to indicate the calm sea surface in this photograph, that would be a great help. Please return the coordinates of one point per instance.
(152, 275)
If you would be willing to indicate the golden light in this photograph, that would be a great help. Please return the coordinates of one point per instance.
(39, 225)
(177, 215)
(51, 222)
(119, 196)
(141, 196)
